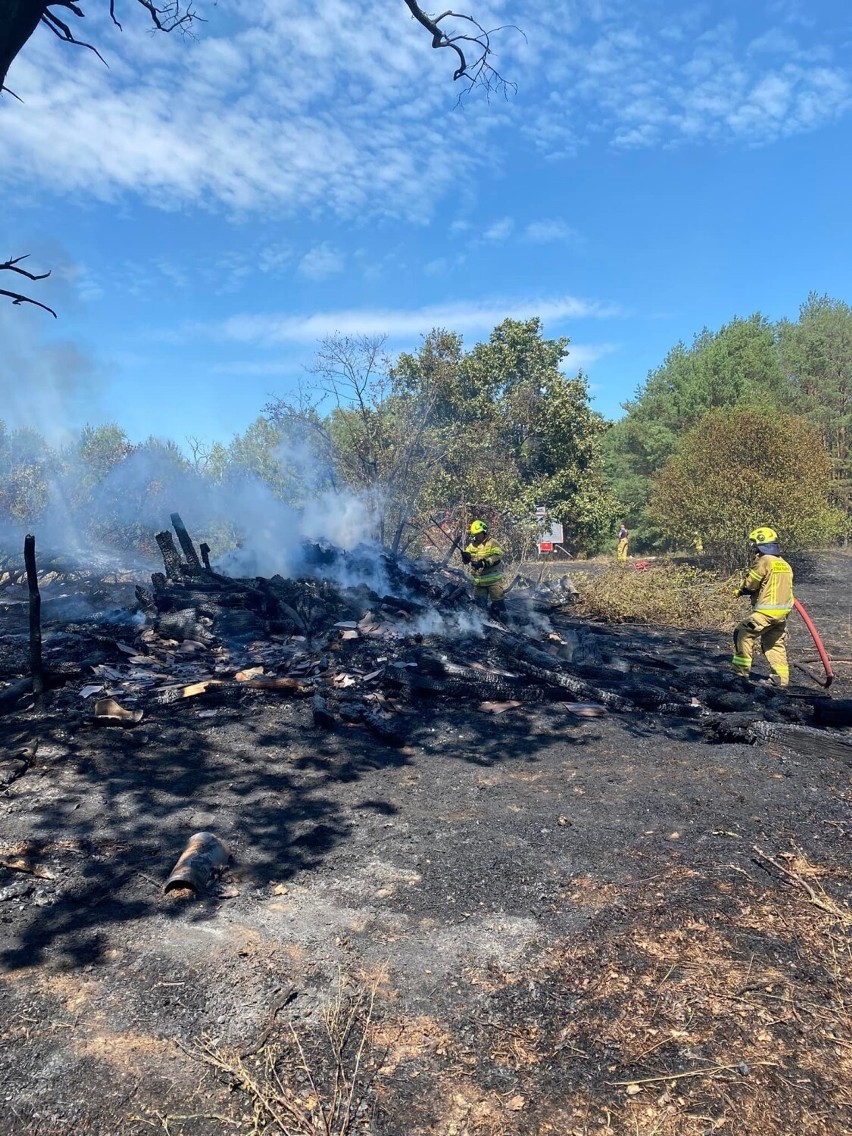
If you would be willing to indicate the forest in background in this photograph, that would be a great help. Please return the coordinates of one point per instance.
(748, 424)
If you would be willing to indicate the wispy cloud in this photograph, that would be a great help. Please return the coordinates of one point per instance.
(321, 262)
(291, 106)
(581, 355)
(645, 79)
(463, 317)
(283, 106)
(549, 232)
(499, 230)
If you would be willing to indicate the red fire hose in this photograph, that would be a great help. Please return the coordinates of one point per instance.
(823, 654)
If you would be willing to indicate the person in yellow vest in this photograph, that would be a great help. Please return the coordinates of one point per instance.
(769, 582)
(484, 558)
(621, 550)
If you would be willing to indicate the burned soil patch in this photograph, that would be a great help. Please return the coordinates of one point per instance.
(524, 922)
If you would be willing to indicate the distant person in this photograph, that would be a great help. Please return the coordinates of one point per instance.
(623, 540)
(769, 582)
(484, 558)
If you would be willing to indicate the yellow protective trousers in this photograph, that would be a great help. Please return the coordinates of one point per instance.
(771, 633)
(488, 593)
(621, 551)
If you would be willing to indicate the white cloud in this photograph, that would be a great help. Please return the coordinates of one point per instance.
(645, 80)
(549, 232)
(274, 257)
(463, 317)
(499, 230)
(321, 262)
(293, 106)
(585, 354)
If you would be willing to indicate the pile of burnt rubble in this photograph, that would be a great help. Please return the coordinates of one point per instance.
(365, 636)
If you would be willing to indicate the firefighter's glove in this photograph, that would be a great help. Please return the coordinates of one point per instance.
(466, 557)
(742, 592)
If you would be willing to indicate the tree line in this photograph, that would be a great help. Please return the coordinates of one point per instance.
(751, 421)
(748, 423)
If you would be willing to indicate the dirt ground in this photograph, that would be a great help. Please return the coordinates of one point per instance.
(526, 923)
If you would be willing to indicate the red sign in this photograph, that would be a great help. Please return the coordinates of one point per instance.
(545, 546)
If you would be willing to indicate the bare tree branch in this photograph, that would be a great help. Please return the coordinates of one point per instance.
(13, 265)
(62, 31)
(472, 47)
(20, 18)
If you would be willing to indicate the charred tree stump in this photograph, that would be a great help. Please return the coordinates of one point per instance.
(35, 616)
(171, 557)
(205, 555)
(186, 543)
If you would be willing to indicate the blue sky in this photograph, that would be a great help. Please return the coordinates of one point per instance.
(211, 207)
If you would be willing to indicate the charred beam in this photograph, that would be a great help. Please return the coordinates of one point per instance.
(36, 665)
(171, 556)
(186, 543)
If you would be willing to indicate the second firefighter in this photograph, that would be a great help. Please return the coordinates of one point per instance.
(484, 558)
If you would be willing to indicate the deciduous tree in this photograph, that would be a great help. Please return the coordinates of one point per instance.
(742, 467)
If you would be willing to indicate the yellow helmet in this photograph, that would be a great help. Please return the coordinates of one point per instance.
(478, 527)
(763, 535)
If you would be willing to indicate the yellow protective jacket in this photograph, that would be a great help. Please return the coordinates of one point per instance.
(770, 582)
(486, 562)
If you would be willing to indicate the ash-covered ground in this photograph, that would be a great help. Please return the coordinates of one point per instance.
(445, 914)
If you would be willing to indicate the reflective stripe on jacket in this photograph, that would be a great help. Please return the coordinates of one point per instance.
(770, 582)
(485, 566)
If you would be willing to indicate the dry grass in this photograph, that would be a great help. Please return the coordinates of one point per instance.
(727, 1016)
(700, 1001)
(666, 593)
(309, 1084)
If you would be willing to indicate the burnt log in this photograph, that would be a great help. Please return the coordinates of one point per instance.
(204, 549)
(240, 623)
(171, 557)
(321, 714)
(146, 601)
(14, 692)
(522, 656)
(182, 625)
(186, 543)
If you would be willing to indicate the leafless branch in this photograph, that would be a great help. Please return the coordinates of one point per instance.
(472, 47)
(13, 265)
(167, 17)
(63, 32)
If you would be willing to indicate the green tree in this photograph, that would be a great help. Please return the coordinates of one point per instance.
(548, 438)
(737, 365)
(738, 468)
(25, 469)
(816, 354)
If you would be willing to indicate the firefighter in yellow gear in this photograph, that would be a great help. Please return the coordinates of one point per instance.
(769, 582)
(484, 558)
(623, 541)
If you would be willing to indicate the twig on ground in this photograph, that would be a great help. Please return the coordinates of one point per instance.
(689, 1073)
(823, 902)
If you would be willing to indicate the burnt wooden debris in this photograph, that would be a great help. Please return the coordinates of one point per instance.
(36, 666)
(369, 639)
